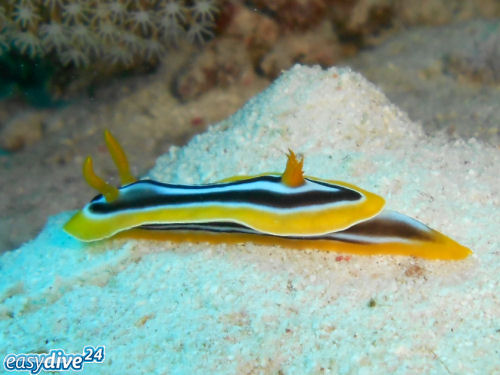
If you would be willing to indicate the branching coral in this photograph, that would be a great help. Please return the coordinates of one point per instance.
(126, 32)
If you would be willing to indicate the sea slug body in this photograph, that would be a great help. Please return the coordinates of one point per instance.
(288, 209)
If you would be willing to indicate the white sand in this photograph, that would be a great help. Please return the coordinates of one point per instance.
(162, 308)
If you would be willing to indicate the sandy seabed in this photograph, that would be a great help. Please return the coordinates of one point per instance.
(164, 308)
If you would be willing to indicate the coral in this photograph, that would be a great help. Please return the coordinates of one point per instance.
(53, 36)
(28, 43)
(24, 14)
(83, 32)
(74, 56)
(174, 11)
(198, 32)
(204, 10)
(74, 12)
(142, 20)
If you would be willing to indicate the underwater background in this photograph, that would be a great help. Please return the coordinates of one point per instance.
(158, 72)
(69, 69)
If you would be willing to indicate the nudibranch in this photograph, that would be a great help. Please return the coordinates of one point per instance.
(287, 209)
